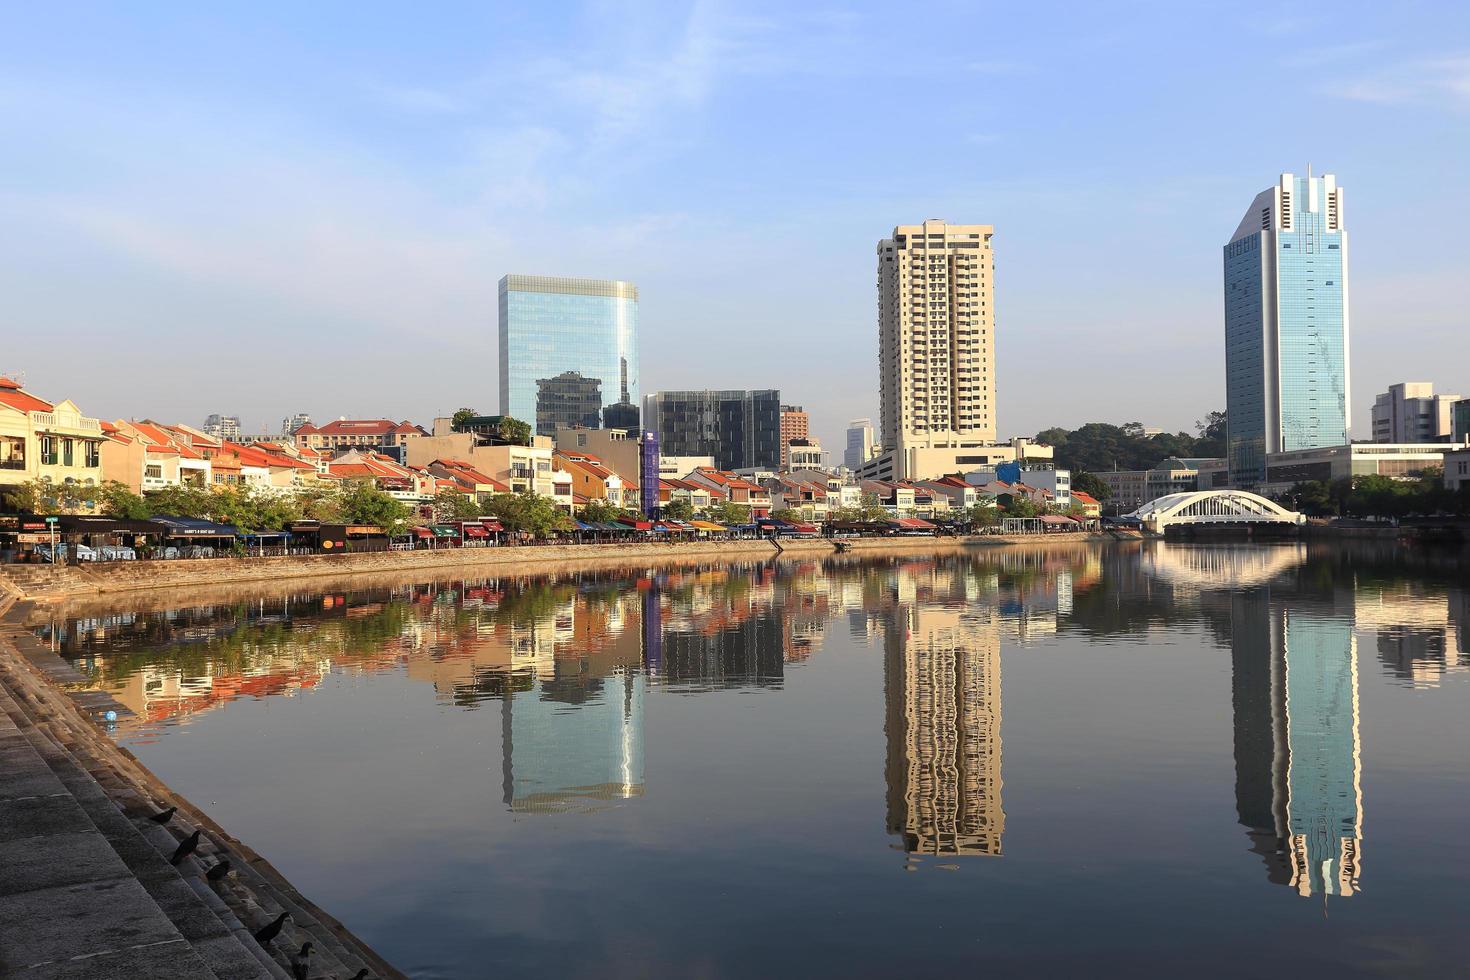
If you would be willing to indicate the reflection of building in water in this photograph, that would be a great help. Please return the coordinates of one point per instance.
(748, 652)
(942, 694)
(566, 745)
(1296, 739)
(1419, 634)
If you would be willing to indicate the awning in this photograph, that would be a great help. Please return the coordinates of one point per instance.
(193, 527)
(584, 526)
(95, 524)
(445, 531)
(912, 523)
(492, 526)
(475, 531)
(1056, 519)
(423, 532)
(707, 526)
(637, 525)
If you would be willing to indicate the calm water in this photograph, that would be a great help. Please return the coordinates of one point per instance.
(1219, 761)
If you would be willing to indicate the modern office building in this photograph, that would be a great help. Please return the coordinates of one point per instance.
(740, 429)
(290, 424)
(1460, 421)
(859, 443)
(795, 424)
(1286, 325)
(1406, 461)
(225, 427)
(936, 350)
(1412, 412)
(568, 350)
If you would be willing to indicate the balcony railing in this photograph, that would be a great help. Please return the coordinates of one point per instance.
(47, 420)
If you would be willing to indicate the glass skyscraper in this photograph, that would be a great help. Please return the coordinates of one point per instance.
(568, 351)
(1286, 325)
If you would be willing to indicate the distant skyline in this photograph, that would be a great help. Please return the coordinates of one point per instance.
(287, 208)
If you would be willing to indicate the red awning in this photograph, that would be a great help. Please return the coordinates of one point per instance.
(475, 531)
(912, 522)
(423, 532)
(493, 526)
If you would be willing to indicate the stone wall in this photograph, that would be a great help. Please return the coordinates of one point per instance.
(185, 574)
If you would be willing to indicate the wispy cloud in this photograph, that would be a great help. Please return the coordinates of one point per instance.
(1430, 80)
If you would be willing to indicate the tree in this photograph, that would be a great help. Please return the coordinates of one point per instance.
(1091, 485)
(182, 500)
(1019, 506)
(455, 505)
(45, 496)
(600, 511)
(983, 514)
(678, 510)
(1098, 446)
(528, 512)
(364, 503)
(788, 514)
(514, 432)
(461, 418)
(725, 512)
(1313, 497)
(120, 502)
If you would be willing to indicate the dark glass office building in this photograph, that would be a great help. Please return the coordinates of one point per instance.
(568, 350)
(740, 429)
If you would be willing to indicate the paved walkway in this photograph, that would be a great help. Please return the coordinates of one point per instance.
(86, 887)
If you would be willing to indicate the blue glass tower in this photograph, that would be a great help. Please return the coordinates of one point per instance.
(568, 351)
(1286, 325)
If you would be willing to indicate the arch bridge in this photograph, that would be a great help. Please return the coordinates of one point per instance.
(1222, 507)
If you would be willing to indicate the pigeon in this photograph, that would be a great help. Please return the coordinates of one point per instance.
(186, 848)
(301, 962)
(219, 870)
(164, 816)
(270, 932)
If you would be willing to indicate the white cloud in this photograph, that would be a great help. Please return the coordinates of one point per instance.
(1428, 80)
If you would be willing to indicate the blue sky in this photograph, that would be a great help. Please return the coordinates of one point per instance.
(269, 208)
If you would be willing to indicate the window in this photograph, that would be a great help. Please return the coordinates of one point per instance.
(48, 450)
(92, 454)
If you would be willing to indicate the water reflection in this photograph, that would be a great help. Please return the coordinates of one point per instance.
(574, 666)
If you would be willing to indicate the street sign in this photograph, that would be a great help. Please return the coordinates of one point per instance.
(52, 520)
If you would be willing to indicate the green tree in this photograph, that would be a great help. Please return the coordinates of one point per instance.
(120, 502)
(679, 510)
(727, 513)
(461, 418)
(600, 511)
(514, 432)
(455, 505)
(182, 500)
(529, 512)
(788, 514)
(1092, 485)
(45, 496)
(1019, 506)
(983, 514)
(364, 503)
(1313, 497)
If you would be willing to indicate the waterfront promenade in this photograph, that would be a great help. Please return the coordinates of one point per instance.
(88, 887)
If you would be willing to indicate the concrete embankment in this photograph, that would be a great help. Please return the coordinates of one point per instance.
(91, 887)
(45, 583)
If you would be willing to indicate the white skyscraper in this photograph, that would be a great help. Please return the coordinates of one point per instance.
(936, 348)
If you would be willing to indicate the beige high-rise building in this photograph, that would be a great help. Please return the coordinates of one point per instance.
(936, 326)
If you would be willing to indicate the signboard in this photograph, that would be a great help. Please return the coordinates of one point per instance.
(33, 538)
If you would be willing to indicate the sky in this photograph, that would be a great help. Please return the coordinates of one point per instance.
(260, 209)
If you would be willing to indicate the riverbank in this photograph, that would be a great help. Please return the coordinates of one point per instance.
(47, 584)
(87, 887)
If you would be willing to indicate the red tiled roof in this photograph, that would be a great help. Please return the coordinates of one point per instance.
(17, 398)
(358, 427)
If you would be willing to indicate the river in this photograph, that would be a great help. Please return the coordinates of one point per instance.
(1149, 758)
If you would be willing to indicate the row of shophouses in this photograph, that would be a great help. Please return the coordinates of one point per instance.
(54, 444)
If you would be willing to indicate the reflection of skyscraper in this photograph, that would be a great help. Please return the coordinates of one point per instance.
(567, 400)
(1297, 761)
(560, 756)
(942, 692)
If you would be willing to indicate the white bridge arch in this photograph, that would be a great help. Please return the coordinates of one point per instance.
(1214, 507)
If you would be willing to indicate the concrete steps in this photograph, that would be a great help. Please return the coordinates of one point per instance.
(45, 581)
(75, 836)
